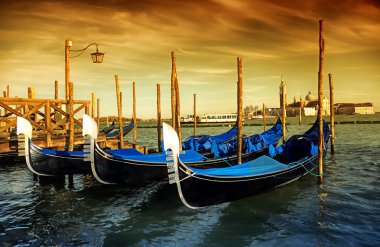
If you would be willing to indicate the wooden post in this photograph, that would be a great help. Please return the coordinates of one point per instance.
(159, 123)
(8, 91)
(119, 112)
(283, 108)
(332, 113)
(239, 110)
(67, 67)
(300, 116)
(195, 115)
(71, 117)
(4, 94)
(30, 93)
(178, 114)
(87, 108)
(173, 93)
(93, 105)
(98, 112)
(48, 123)
(134, 114)
(264, 116)
(55, 89)
(320, 98)
(107, 121)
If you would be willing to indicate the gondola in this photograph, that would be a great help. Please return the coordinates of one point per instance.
(116, 166)
(47, 162)
(108, 129)
(205, 187)
(203, 143)
(126, 130)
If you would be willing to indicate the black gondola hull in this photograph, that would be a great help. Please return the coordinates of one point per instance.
(113, 170)
(50, 165)
(200, 191)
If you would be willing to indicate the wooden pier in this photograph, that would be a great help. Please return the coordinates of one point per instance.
(56, 123)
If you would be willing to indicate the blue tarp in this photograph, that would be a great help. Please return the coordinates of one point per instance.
(261, 165)
(204, 142)
(250, 144)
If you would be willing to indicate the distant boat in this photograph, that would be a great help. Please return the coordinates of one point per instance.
(108, 129)
(126, 130)
(211, 118)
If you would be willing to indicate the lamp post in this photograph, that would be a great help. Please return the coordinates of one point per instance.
(97, 57)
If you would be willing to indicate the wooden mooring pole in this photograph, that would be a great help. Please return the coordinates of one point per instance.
(283, 108)
(332, 113)
(320, 98)
(98, 112)
(71, 117)
(55, 89)
(159, 123)
(178, 113)
(7, 91)
(264, 113)
(195, 115)
(119, 111)
(48, 123)
(173, 100)
(239, 110)
(134, 114)
(93, 105)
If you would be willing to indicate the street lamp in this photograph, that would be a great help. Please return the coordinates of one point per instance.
(97, 57)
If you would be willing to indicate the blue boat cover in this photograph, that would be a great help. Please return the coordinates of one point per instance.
(250, 144)
(295, 150)
(126, 129)
(261, 165)
(62, 153)
(204, 142)
(188, 156)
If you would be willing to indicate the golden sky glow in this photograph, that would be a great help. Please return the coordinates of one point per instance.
(274, 38)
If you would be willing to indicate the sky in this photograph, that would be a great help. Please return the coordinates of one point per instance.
(274, 38)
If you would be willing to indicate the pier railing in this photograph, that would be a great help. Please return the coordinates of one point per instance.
(47, 116)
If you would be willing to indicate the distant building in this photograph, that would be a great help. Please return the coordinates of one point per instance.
(351, 108)
(309, 106)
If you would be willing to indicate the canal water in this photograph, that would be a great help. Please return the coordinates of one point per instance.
(343, 211)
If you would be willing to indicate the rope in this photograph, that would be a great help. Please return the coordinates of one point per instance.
(225, 160)
(310, 172)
